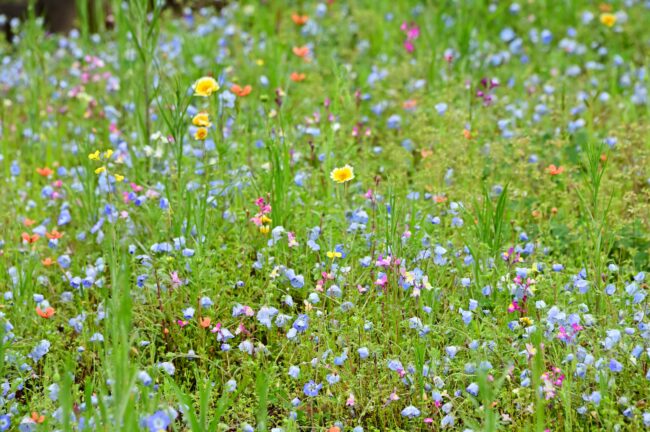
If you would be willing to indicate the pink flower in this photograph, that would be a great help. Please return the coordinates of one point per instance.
(292, 239)
(412, 32)
(383, 262)
(350, 401)
(176, 281)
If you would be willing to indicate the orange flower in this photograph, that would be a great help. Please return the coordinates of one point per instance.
(604, 7)
(553, 170)
(300, 20)
(45, 172)
(241, 91)
(37, 418)
(467, 133)
(47, 262)
(334, 429)
(302, 51)
(410, 104)
(297, 77)
(30, 238)
(205, 322)
(47, 313)
(54, 235)
(440, 198)
(28, 222)
(425, 153)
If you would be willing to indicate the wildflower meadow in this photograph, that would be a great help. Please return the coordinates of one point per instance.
(361, 215)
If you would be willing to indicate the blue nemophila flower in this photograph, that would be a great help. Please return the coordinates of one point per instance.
(144, 378)
(168, 367)
(206, 302)
(595, 398)
(296, 281)
(311, 389)
(39, 351)
(472, 389)
(188, 313)
(157, 422)
(265, 314)
(5, 422)
(301, 323)
(615, 365)
(466, 315)
(411, 412)
(294, 372)
(363, 353)
(447, 420)
(333, 378)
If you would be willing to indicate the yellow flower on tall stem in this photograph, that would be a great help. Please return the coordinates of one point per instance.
(202, 119)
(201, 134)
(343, 174)
(205, 86)
(608, 19)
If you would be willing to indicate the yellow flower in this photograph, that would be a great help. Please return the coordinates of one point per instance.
(334, 254)
(202, 119)
(265, 220)
(264, 229)
(201, 134)
(342, 175)
(205, 86)
(100, 170)
(94, 156)
(525, 321)
(108, 153)
(608, 19)
(119, 178)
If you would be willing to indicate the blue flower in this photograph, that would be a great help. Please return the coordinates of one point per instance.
(472, 389)
(301, 323)
(265, 314)
(615, 366)
(294, 372)
(447, 420)
(333, 378)
(158, 422)
(39, 350)
(311, 388)
(5, 422)
(411, 412)
(363, 352)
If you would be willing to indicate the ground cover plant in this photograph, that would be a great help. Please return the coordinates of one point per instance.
(344, 216)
